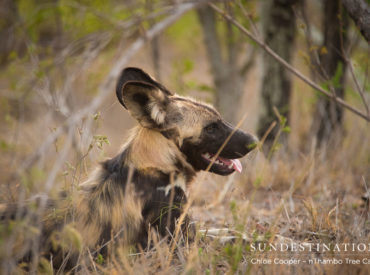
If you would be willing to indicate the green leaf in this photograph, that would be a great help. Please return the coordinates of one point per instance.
(188, 65)
(96, 116)
(100, 259)
(252, 146)
(100, 141)
(287, 129)
(45, 267)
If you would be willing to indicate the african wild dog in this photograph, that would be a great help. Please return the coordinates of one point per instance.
(176, 137)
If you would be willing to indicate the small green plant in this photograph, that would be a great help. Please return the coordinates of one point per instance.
(100, 140)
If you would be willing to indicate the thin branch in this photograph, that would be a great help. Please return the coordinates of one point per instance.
(250, 19)
(288, 66)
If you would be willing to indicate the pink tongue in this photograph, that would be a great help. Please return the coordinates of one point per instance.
(237, 165)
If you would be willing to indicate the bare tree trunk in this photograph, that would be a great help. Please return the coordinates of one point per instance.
(154, 44)
(359, 11)
(329, 115)
(227, 77)
(279, 26)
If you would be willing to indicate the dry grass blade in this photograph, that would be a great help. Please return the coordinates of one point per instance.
(310, 207)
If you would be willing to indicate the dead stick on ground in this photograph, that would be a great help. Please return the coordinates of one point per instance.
(288, 66)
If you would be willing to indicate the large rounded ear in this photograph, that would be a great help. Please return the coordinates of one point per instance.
(146, 103)
(138, 75)
(145, 99)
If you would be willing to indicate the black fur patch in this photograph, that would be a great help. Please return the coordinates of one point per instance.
(141, 98)
(161, 213)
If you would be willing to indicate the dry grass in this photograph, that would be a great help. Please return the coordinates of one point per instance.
(293, 197)
(305, 198)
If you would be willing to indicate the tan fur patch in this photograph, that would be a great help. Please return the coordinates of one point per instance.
(150, 149)
(195, 116)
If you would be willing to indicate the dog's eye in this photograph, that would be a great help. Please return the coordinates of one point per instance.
(211, 128)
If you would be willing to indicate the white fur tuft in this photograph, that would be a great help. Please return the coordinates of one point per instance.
(157, 114)
(179, 182)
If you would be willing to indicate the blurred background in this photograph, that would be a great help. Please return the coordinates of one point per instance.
(59, 117)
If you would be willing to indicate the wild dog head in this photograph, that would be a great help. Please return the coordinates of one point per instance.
(196, 128)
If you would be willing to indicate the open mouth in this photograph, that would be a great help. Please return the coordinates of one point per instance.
(223, 164)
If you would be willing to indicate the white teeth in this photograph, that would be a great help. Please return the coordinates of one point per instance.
(219, 162)
(207, 156)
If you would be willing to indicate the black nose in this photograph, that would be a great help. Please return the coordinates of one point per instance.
(239, 145)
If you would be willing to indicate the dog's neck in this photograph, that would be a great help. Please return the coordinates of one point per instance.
(149, 150)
